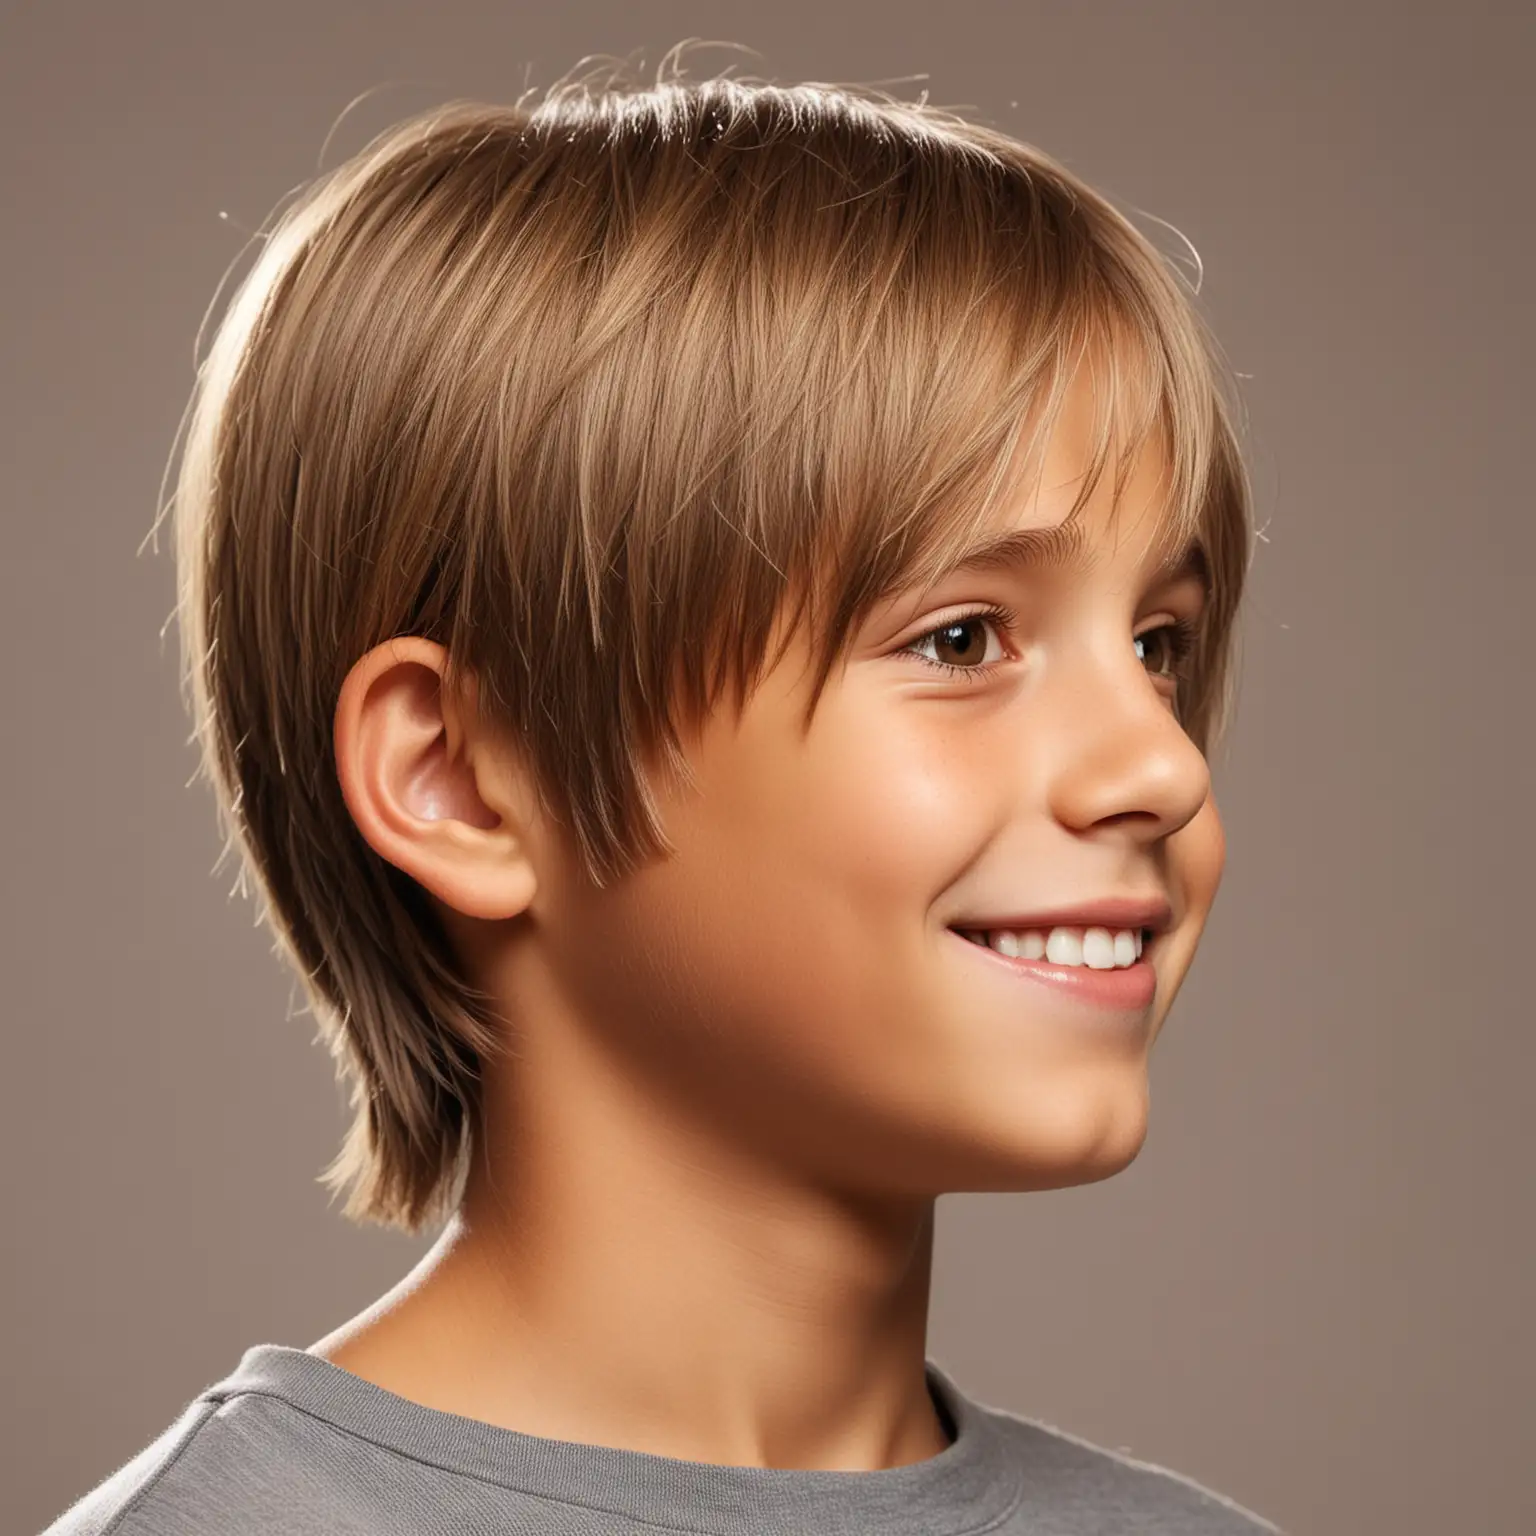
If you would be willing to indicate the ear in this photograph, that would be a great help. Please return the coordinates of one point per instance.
(427, 794)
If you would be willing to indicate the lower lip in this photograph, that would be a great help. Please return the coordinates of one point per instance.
(1127, 990)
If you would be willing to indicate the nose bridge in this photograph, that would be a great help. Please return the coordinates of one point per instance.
(1115, 749)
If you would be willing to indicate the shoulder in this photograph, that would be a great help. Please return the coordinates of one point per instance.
(1066, 1476)
(101, 1511)
(236, 1466)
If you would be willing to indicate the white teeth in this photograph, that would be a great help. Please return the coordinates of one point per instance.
(1064, 946)
(1100, 949)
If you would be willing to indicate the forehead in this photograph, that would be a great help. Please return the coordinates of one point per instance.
(1060, 510)
(1071, 547)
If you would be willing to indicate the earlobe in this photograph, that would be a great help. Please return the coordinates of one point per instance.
(426, 795)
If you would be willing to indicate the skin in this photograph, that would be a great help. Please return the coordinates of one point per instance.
(701, 1222)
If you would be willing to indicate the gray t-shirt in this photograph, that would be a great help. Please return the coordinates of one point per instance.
(291, 1445)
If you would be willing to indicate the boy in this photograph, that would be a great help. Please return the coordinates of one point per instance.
(730, 766)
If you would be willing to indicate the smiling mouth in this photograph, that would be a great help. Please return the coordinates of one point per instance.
(1090, 948)
(1095, 969)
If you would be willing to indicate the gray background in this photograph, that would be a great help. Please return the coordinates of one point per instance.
(1313, 1289)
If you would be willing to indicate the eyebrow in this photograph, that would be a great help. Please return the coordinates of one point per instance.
(1063, 547)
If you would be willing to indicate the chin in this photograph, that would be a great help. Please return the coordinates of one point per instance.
(1075, 1138)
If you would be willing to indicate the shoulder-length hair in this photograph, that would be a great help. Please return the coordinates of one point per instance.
(588, 391)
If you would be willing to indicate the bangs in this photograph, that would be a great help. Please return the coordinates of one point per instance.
(913, 548)
(929, 399)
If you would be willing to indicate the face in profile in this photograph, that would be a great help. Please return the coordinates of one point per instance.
(867, 957)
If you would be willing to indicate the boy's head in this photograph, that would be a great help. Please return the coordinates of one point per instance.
(652, 424)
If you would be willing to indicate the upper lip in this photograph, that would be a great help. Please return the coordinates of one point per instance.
(1113, 912)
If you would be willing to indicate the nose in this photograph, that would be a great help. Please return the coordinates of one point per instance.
(1117, 755)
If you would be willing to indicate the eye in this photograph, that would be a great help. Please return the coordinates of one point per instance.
(1170, 646)
(962, 637)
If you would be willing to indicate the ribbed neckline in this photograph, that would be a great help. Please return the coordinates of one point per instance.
(970, 1484)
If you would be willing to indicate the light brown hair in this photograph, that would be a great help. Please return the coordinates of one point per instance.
(591, 391)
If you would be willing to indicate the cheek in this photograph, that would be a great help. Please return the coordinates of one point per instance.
(794, 913)
(863, 828)
(1197, 855)
(1196, 858)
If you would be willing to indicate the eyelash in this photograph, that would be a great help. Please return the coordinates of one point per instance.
(1183, 635)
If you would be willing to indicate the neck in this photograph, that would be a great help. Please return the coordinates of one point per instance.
(612, 1280)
